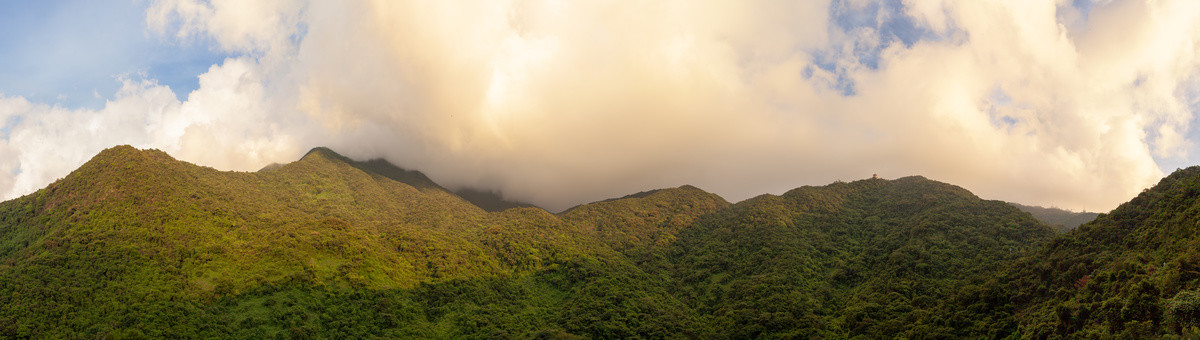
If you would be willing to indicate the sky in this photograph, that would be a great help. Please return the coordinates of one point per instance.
(1077, 104)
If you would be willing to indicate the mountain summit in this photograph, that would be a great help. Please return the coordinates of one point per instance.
(486, 200)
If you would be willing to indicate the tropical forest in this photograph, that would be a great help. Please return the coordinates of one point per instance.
(137, 244)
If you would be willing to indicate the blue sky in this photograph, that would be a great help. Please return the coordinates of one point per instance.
(1024, 101)
(72, 52)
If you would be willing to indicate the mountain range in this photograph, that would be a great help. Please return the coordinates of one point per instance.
(137, 244)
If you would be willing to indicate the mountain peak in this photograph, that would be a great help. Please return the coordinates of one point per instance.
(914, 178)
(930, 186)
(681, 198)
(118, 150)
(663, 192)
(127, 155)
(126, 151)
(325, 153)
(644, 219)
(378, 166)
(687, 190)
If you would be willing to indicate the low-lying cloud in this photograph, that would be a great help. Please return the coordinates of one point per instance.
(559, 103)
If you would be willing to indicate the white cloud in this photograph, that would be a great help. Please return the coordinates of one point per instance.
(564, 102)
(238, 26)
(227, 123)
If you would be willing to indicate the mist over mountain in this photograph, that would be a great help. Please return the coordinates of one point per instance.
(489, 200)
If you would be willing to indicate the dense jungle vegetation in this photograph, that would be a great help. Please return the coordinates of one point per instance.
(136, 244)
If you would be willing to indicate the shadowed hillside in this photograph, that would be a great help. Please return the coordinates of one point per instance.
(489, 200)
(1061, 220)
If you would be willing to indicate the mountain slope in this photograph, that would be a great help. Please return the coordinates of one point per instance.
(866, 258)
(490, 201)
(135, 243)
(1061, 220)
(639, 222)
(1134, 272)
(486, 200)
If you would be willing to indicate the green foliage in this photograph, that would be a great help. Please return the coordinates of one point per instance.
(490, 201)
(1131, 273)
(1059, 219)
(870, 258)
(135, 244)
(1183, 310)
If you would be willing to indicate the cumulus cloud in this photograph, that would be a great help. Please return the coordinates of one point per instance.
(227, 123)
(560, 103)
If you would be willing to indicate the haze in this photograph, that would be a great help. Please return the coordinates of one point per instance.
(1076, 104)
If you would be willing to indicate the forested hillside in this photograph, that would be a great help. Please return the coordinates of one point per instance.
(867, 258)
(1133, 273)
(1059, 219)
(135, 243)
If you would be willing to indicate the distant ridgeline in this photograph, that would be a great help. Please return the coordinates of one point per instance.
(487, 200)
(1059, 219)
(137, 244)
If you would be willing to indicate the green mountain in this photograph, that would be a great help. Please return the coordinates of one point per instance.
(1061, 220)
(644, 222)
(1131, 273)
(868, 258)
(137, 244)
(486, 200)
(490, 200)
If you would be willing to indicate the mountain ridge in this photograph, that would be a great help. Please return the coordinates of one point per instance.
(322, 247)
(1062, 220)
(848, 247)
(1131, 273)
(486, 200)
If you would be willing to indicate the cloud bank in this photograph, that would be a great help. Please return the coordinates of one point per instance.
(559, 103)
